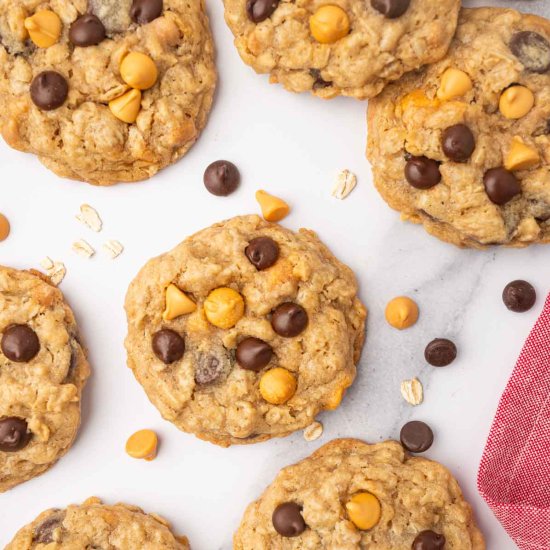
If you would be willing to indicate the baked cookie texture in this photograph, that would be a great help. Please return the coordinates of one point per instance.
(205, 390)
(497, 191)
(82, 139)
(415, 495)
(39, 395)
(376, 50)
(96, 525)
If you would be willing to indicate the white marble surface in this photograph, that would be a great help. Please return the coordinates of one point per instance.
(292, 146)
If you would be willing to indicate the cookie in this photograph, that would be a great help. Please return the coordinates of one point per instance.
(96, 525)
(352, 495)
(105, 91)
(463, 146)
(245, 331)
(43, 369)
(343, 47)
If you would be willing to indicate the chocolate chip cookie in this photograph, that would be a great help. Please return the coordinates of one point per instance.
(463, 146)
(340, 47)
(245, 331)
(105, 91)
(43, 369)
(96, 525)
(352, 495)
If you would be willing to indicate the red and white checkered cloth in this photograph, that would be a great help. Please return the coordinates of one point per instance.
(514, 474)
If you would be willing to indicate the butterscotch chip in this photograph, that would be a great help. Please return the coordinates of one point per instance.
(4, 227)
(142, 444)
(402, 312)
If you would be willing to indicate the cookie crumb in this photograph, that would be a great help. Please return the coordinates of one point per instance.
(89, 217)
(113, 248)
(313, 431)
(56, 271)
(82, 248)
(412, 391)
(345, 184)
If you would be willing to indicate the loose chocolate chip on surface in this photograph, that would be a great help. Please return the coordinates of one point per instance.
(262, 252)
(519, 296)
(428, 540)
(501, 185)
(168, 346)
(422, 172)
(440, 352)
(289, 319)
(391, 8)
(13, 434)
(209, 369)
(20, 343)
(221, 178)
(87, 30)
(260, 10)
(253, 354)
(43, 534)
(287, 519)
(49, 90)
(458, 142)
(145, 11)
(416, 436)
(532, 49)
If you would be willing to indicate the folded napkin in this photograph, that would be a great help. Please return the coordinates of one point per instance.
(514, 474)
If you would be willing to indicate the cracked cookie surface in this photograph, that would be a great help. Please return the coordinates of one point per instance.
(82, 139)
(376, 49)
(43, 369)
(477, 121)
(237, 352)
(96, 525)
(418, 500)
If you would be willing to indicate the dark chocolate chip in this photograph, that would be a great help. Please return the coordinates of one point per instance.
(440, 352)
(501, 185)
(13, 434)
(260, 10)
(87, 30)
(253, 354)
(221, 178)
(318, 82)
(20, 343)
(458, 142)
(416, 436)
(428, 540)
(262, 252)
(422, 172)
(391, 8)
(43, 534)
(209, 368)
(287, 519)
(145, 11)
(532, 49)
(49, 90)
(168, 346)
(289, 319)
(519, 296)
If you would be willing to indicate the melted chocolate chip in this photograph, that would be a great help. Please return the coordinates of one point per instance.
(49, 90)
(208, 369)
(428, 540)
(501, 185)
(20, 343)
(13, 434)
(221, 178)
(253, 354)
(519, 296)
(43, 534)
(289, 319)
(288, 520)
(458, 142)
(145, 11)
(262, 252)
(260, 10)
(440, 352)
(533, 51)
(391, 8)
(87, 30)
(422, 172)
(318, 82)
(168, 346)
(416, 436)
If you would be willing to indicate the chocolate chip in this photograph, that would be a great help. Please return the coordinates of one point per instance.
(221, 178)
(458, 142)
(519, 296)
(391, 8)
(416, 436)
(209, 368)
(422, 172)
(260, 10)
(287, 519)
(87, 30)
(532, 49)
(253, 354)
(168, 346)
(428, 540)
(145, 11)
(20, 343)
(43, 534)
(501, 185)
(13, 434)
(49, 90)
(440, 352)
(318, 82)
(262, 252)
(289, 319)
